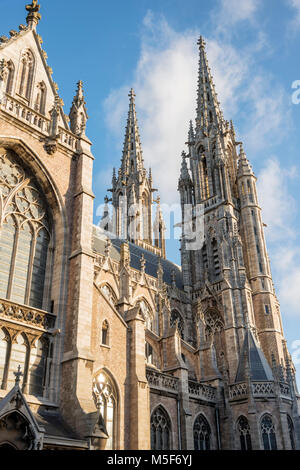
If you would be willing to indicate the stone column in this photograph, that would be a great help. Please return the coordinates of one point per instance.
(77, 364)
(137, 390)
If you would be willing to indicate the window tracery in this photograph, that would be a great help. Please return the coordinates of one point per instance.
(109, 293)
(213, 323)
(268, 433)
(106, 401)
(244, 433)
(202, 434)
(160, 430)
(24, 234)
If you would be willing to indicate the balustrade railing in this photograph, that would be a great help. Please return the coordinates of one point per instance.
(205, 392)
(161, 381)
(259, 389)
(11, 311)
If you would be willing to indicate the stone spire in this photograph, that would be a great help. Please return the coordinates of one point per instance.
(191, 134)
(244, 167)
(132, 160)
(184, 178)
(33, 16)
(78, 114)
(208, 110)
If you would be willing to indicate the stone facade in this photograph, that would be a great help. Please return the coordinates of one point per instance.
(118, 347)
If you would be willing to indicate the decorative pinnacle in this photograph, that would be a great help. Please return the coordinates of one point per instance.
(18, 375)
(201, 43)
(79, 93)
(132, 95)
(33, 16)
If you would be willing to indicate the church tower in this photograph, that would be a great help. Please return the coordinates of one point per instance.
(132, 194)
(228, 277)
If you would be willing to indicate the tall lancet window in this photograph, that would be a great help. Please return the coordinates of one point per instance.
(202, 434)
(216, 261)
(24, 234)
(40, 103)
(105, 395)
(145, 211)
(244, 433)
(26, 74)
(268, 433)
(10, 77)
(160, 430)
(204, 179)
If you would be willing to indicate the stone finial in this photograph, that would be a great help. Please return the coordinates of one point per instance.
(3, 65)
(107, 248)
(201, 43)
(33, 16)
(143, 263)
(184, 172)
(18, 375)
(51, 142)
(132, 95)
(173, 278)
(125, 255)
(78, 114)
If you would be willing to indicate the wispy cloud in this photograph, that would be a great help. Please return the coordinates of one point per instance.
(230, 12)
(165, 83)
(279, 213)
(295, 22)
(279, 207)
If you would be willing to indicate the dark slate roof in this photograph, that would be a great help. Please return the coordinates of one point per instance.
(259, 367)
(54, 424)
(99, 241)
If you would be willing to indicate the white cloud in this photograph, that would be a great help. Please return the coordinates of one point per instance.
(230, 12)
(165, 83)
(295, 23)
(279, 213)
(279, 207)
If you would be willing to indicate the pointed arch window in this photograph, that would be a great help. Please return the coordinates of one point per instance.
(176, 320)
(10, 77)
(215, 253)
(37, 367)
(109, 293)
(202, 433)
(160, 430)
(105, 333)
(24, 234)
(40, 103)
(204, 178)
(146, 312)
(291, 432)
(244, 433)
(105, 396)
(26, 74)
(268, 433)
(19, 356)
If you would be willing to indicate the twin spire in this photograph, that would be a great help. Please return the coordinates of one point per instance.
(132, 159)
(209, 114)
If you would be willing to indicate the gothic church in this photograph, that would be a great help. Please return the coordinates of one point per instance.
(104, 343)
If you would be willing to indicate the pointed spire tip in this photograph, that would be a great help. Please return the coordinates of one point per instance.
(201, 43)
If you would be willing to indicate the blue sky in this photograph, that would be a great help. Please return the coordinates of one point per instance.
(253, 50)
